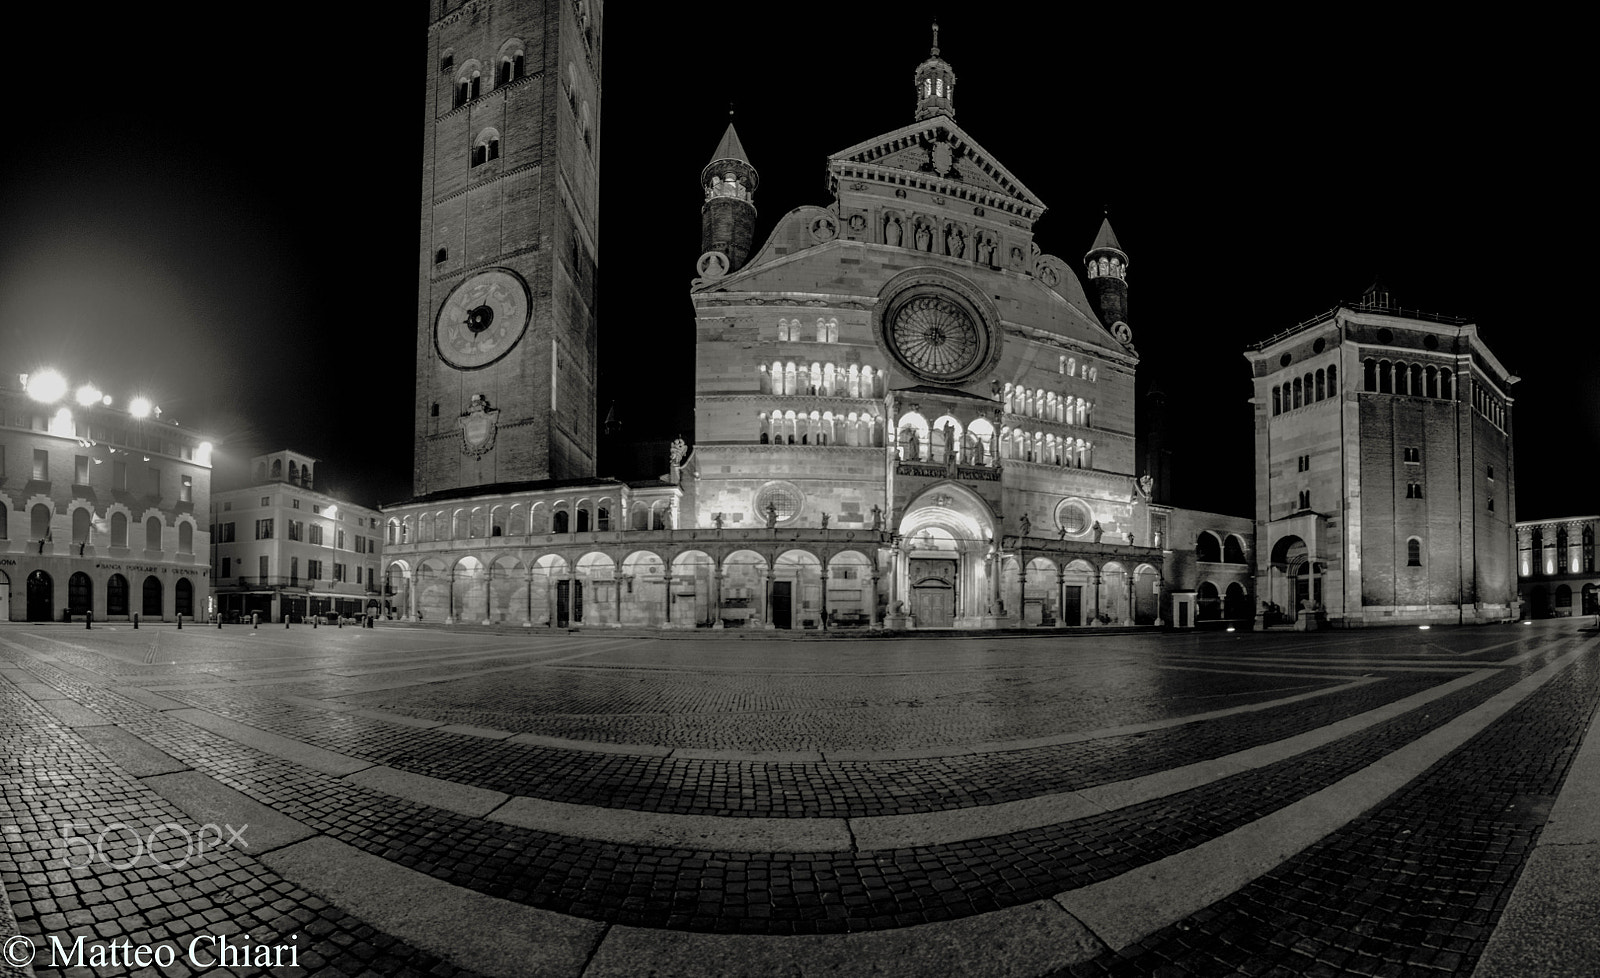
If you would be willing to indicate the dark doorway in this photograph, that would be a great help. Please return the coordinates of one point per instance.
(184, 597)
(782, 604)
(1072, 604)
(41, 596)
(569, 602)
(152, 597)
(116, 595)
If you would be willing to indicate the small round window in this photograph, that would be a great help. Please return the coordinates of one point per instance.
(1285, 360)
(1385, 336)
(1320, 345)
(783, 497)
(1072, 516)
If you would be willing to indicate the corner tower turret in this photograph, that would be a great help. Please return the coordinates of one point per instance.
(936, 85)
(728, 218)
(1107, 265)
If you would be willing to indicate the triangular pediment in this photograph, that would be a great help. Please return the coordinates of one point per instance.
(941, 149)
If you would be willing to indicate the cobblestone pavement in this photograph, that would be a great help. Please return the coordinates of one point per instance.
(427, 801)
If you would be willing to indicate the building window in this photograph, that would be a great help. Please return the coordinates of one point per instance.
(227, 533)
(1303, 462)
(227, 567)
(264, 566)
(266, 500)
(1413, 552)
(186, 489)
(1491, 504)
(313, 570)
(486, 147)
(1413, 490)
(41, 465)
(296, 529)
(80, 470)
(316, 534)
(1414, 455)
(1491, 473)
(1305, 499)
(264, 529)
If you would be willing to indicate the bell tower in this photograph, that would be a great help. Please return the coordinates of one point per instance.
(728, 218)
(506, 368)
(1107, 268)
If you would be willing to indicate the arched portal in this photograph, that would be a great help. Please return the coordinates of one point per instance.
(796, 590)
(947, 569)
(469, 591)
(690, 600)
(744, 589)
(80, 594)
(598, 575)
(1294, 579)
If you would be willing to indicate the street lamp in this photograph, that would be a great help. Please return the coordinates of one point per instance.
(332, 513)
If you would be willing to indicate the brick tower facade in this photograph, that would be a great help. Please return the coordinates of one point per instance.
(506, 368)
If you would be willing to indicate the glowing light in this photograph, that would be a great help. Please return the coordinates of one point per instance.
(202, 453)
(106, 400)
(1424, 627)
(140, 407)
(46, 386)
(61, 424)
(1230, 629)
(87, 395)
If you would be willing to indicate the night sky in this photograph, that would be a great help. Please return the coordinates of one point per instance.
(233, 231)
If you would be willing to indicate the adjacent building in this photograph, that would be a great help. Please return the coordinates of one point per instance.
(1556, 575)
(99, 507)
(1384, 487)
(281, 549)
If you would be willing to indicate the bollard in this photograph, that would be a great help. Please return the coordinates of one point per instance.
(313, 621)
(180, 623)
(341, 621)
(88, 620)
(285, 621)
(135, 621)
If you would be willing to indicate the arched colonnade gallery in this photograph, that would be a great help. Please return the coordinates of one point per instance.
(777, 579)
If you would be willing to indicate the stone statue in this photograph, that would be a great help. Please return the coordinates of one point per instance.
(1098, 530)
(717, 519)
(985, 250)
(772, 516)
(825, 519)
(949, 442)
(678, 452)
(1146, 484)
(1063, 534)
(1027, 525)
(877, 518)
(924, 238)
(892, 232)
(958, 244)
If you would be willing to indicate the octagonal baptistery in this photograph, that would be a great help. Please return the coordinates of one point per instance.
(906, 372)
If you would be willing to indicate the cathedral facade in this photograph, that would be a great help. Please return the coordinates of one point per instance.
(903, 368)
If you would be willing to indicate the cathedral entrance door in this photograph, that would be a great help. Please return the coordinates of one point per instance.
(934, 604)
(1072, 604)
(782, 601)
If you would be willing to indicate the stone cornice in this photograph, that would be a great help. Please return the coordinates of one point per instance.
(789, 398)
(749, 447)
(491, 93)
(928, 183)
(488, 263)
(475, 184)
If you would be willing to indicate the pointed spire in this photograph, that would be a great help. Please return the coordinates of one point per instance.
(730, 148)
(1107, 239)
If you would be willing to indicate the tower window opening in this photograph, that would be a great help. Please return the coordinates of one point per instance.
(1413, 552)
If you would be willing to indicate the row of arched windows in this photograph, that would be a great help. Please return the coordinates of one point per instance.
(80, 596)
(977, 443)
(823, 379)
(1107, 268)
(1306, 390)
(114, 531)
(1046, 405)
(486, 147)
(1069, 367)
(1413, 379)
(518, 520)
(1563, 558)
(1489, 406)
(511, 65)
(819, 428)
(1228, 551)
(299, 475)
(793, 330)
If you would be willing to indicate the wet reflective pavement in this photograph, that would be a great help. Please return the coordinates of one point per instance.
(437, 801)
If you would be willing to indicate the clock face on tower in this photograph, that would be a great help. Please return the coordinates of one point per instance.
(482, 319)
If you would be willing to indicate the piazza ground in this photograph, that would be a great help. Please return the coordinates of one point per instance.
(432, 801)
